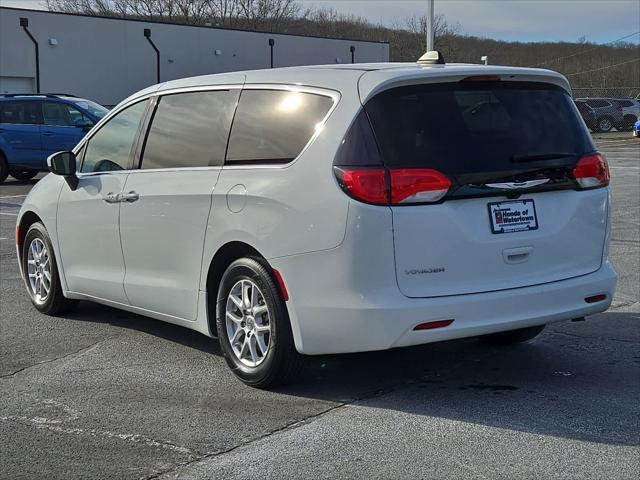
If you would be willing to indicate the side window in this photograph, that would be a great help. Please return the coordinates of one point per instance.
(110, 148)
(63, 115)
(21, 112)
(273, 126)
(190, 130)
(598, 103)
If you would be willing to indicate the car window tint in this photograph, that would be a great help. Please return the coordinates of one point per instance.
(190, 130)
(470, 127)
(273, 126)
(21, 112)
(63, 115)
(110, 148)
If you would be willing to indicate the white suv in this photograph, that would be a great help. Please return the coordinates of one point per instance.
(330, 209)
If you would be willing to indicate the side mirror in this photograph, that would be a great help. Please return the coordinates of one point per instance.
(83, 124)
(64, 164)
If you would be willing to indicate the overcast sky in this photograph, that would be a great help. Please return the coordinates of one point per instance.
(525, 20)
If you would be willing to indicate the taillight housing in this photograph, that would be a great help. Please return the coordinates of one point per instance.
(394, 186)
(592, 171)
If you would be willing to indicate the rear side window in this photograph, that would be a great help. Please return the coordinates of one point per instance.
(273, 126)
(624, 103)
(471, 127)
(21, 112)
(190, 130)
(598, 103)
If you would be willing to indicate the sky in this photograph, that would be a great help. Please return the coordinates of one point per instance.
(600, 21)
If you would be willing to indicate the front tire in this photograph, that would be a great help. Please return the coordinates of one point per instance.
(513, 336)
(253, 325)
(605, 124)
(41, 273)
(23, 175)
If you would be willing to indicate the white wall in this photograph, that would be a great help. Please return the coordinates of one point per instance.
(108, 59)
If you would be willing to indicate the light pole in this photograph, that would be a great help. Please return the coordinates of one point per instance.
(430, 26)
(147, 35)
(24, 23)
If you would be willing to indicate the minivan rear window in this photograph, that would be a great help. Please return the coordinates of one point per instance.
(273, 126)
(472, 127)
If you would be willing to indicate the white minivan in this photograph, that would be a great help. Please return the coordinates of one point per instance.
(330, 209)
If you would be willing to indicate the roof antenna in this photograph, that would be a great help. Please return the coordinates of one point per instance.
(434, 57)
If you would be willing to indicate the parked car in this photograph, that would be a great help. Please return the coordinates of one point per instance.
(587, 113)
(330, 209)
(608, 113)
(630, 111)
(636, 129)
(32, 127)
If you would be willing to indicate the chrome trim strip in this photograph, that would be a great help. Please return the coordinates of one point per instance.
(518, 185)
(333, 94)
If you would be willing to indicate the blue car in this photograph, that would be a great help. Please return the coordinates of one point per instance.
(32, 127)
(636, 129)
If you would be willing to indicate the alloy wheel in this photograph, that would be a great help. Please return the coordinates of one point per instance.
(248, 323)
(39, 270)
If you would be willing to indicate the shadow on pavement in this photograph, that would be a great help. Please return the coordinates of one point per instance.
(566, 383)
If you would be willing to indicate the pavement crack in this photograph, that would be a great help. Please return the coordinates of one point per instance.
(290, 426)
(56, 359)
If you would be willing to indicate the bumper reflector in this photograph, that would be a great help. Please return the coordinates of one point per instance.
(595, 298)
(435, 324)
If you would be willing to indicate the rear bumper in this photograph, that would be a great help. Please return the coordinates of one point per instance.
(331, 322)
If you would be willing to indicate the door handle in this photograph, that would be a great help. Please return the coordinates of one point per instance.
(47, 134)
(112, 197)
(517, 255)
(129, 197)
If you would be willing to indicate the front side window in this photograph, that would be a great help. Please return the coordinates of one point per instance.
(63, 115)
(190, 130)
(21, 112)
(92, 107)
(111, 147)
(273, 126)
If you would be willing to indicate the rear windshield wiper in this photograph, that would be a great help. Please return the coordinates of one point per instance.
(540, 157)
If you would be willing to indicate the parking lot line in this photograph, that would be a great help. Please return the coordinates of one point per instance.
(12, 196)
(7, 213)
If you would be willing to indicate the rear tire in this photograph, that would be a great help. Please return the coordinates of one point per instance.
(4, 168)
(23, 175)
(281, 363)
(49, 301)
(513, 336)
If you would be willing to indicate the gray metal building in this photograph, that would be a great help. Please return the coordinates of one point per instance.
(107, 59)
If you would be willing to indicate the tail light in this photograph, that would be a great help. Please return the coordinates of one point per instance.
(366, 184)
(418, 185)
(396, 186)
(592, 171)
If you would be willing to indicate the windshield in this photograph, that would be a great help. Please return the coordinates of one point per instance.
(469, 127)
(91, 107)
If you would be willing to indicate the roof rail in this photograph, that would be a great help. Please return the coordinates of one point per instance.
(49, 95)
(433, 57)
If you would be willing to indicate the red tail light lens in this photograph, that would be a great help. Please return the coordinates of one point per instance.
(592, 171)
(368, 185)
(418, 185)
(397, 186)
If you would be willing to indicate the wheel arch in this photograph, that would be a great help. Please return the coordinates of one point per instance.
(27, 219)
(225, 256)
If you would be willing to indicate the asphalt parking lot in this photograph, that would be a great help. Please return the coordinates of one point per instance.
(106, 394)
